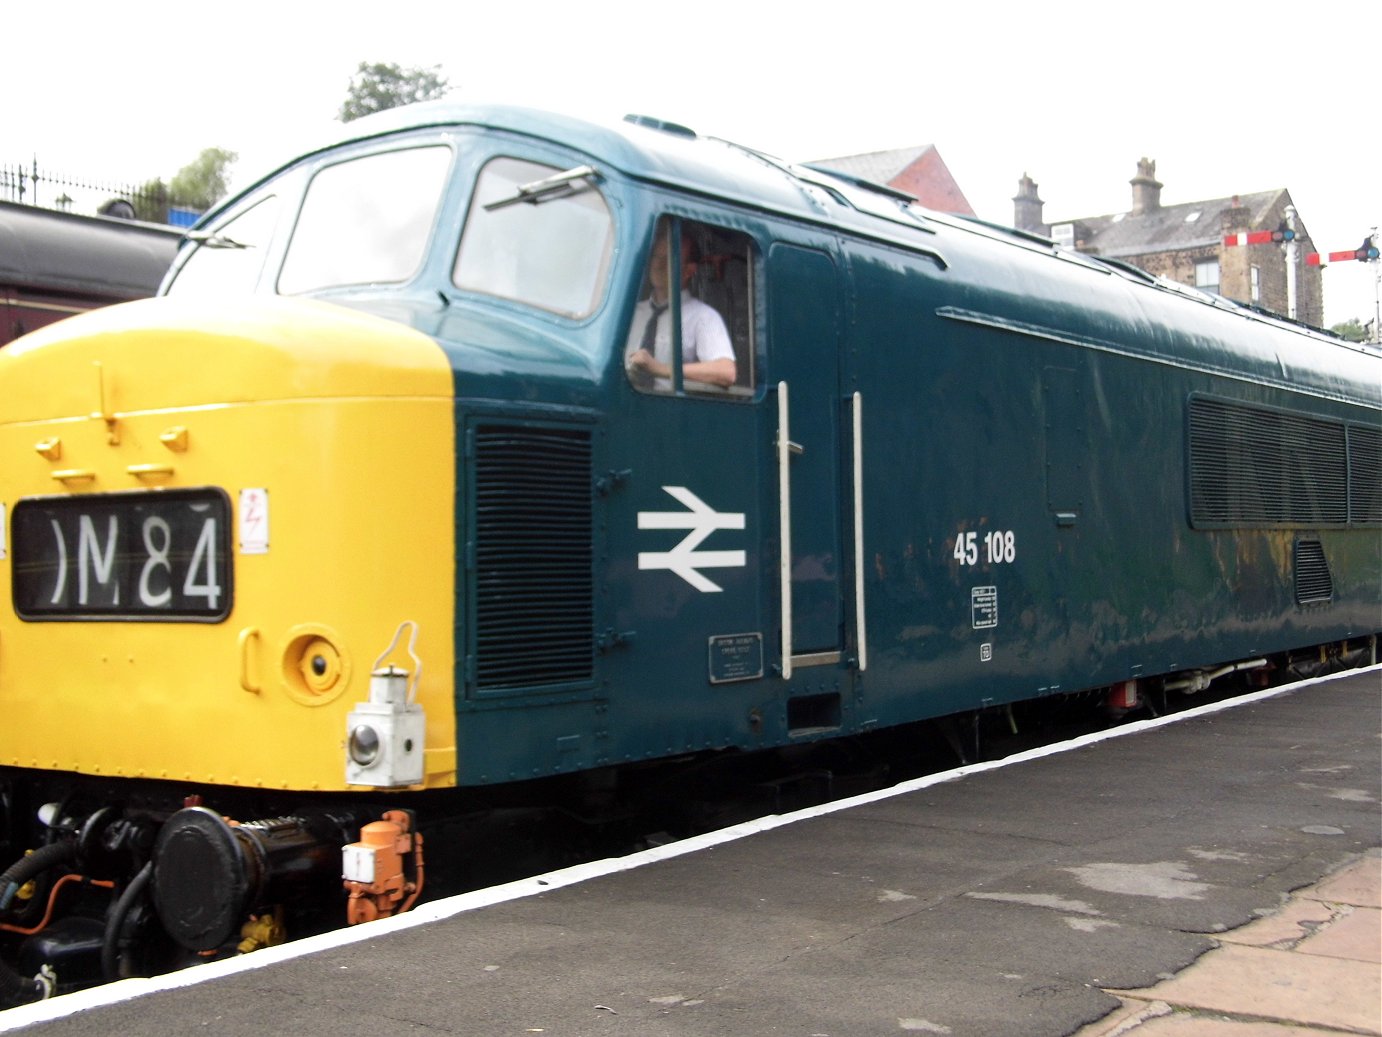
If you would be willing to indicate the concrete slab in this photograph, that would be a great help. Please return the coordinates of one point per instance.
(1355, 935)
(1263, 983)
(1359, 885)
(1285, 929)
(1161, 1020)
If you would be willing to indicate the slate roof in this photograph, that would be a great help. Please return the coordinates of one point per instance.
(1169, 228)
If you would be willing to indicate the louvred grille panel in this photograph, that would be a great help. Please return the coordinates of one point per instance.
(532, 579)
(1255, 466)
(1365, 474)
(1313, 579)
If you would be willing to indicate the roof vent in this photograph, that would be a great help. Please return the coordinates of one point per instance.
(676, 129)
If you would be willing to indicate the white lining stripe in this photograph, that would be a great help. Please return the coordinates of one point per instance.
(860, 631)
(784, 526)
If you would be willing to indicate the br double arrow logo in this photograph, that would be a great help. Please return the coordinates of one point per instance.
(684, 560)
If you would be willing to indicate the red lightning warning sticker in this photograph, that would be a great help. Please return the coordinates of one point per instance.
(254, 521)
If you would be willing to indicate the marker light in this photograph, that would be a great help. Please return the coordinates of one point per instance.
(364, 744)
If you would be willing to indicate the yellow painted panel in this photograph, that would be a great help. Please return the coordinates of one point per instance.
(347, 424)
(164, 353)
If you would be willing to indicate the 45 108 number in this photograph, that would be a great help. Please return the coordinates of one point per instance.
(999, 547)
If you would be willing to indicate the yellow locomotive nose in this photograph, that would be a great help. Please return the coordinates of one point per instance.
(214, 522)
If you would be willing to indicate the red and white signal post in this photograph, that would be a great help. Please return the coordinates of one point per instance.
(1285, 234)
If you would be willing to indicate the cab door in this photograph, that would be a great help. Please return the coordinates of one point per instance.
(804, 333)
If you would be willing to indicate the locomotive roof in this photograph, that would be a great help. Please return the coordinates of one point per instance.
(666, 153)
(654, 151)
(660, 152)
(650, 149)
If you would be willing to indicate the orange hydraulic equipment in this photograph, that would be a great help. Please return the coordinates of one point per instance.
(383, 871)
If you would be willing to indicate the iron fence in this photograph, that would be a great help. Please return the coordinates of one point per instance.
(31, 184)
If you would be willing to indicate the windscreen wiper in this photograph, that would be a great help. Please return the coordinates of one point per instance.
(558, 185)
(207, 239)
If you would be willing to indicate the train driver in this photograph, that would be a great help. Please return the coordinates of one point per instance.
(706, 353)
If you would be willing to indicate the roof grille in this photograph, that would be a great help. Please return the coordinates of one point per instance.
(1313, 580)
(532, 580)
(1257, 466)
(1365, 474)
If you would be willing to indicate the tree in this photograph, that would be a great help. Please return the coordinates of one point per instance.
(1352, 330)
(150, 202)
(198, 186)
(379, 87)
(203, 181)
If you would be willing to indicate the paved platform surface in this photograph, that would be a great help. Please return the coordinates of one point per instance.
(1216, 876)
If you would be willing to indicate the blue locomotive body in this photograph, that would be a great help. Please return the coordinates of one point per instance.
(960, 467)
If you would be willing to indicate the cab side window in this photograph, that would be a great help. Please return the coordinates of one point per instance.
(710, 350)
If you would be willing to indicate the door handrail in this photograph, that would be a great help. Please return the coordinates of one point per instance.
(784, 525)
(858, 437)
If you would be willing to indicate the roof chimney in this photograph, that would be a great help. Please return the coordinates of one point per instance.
(1027, 207)
(1146, 190)
(1235, 218)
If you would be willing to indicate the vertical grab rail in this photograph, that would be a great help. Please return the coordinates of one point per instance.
(858, 438)
(784, 491)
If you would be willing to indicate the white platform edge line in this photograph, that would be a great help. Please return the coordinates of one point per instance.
(128, 989)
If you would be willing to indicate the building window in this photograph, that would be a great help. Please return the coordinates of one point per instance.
(1207, 275)
(1256, 285)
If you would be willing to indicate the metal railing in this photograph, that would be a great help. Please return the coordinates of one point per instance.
(30, 184)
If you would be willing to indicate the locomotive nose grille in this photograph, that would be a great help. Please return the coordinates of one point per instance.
(531, 575)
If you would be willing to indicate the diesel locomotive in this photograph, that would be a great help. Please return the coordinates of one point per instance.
(375, 511)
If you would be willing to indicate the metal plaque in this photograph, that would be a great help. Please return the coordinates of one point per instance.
(983, 605)
(736, 657)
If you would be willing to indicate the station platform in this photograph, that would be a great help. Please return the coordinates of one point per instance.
(1211, 874)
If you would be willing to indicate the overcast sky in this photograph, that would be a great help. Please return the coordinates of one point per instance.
(1226, 97)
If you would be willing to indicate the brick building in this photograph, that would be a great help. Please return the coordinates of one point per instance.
(1184, 242)
(920, 171)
